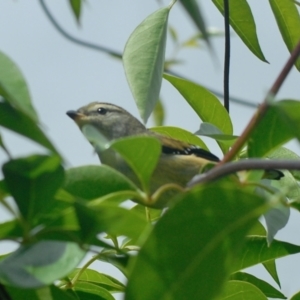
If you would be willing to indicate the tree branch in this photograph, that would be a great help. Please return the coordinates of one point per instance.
(243, 165)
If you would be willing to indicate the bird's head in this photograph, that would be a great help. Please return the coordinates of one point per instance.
(111, 120)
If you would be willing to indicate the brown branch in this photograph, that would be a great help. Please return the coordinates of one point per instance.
(243, 165)
(240, 142)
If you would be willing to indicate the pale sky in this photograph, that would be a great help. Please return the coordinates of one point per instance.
(63, 76)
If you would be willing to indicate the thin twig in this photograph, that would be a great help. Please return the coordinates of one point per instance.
(74, 39)
(243, 165)
(227, 54)
(240, 142)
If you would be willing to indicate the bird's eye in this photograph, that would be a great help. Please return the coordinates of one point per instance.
(101, 111)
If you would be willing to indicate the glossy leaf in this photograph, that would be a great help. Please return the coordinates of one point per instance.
(91, 182)
(288, 21)
(256, 251)
(40, 264)
(105, 281)
(194, 265)
(37, 178)
(110, 219)
(90, 291)
(237, 290)
(265, 287)
(204, 103)
(141, 154)
(14, 89)
(180, 134)
(143, 60)
(243, 23)
(19, 122)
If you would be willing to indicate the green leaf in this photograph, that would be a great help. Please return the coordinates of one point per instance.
(143, 60)
(243, 23)
(180, 134)
(265, 287)
(284, 153)
(10, 230)
(37, 178)
(40, 264)
(210, 223)
(192, 7)
(105, 281)
(289, 111)
(50, 292)
(89, 291)
(19, 122)
(158, 114)
(110, 219)
(91, 182)
(2, 145)
(237, 290)
(288, 21)
(270, 266)
(145, 212)
(76, 8)
(135, 151)
(296, 296)
(256, 251)
(204, 103)
(14, 89)
(264, 138)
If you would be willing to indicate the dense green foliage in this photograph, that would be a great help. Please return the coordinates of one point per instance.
(199, 246)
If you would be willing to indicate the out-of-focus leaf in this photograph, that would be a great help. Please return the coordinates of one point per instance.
(288, 21)
(143, 60)
(192, 7)
(91, 182)
(265, 287)
(40, 264)
(50, 292)
(90, 291)
(37, 178)
(257, 229)
(256, 251)
(159, 114)
(14, 89)
(243, 23)
(2, 145)
(21, 123)
(145, 212)
(180, 134)
(296, 296)
(237, 290)
(10, 230)
(105, 281)
(76, 8)
(110, 219)
(171, 266)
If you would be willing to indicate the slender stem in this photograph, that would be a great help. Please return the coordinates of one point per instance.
(240, 142)
(80, 272)
(242, 165)
(227, 54)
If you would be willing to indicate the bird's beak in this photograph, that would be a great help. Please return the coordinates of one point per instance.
(75, 115)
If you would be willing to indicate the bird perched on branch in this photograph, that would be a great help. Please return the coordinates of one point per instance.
(179, 161)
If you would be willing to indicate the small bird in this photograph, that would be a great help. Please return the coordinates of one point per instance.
(179, 161)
